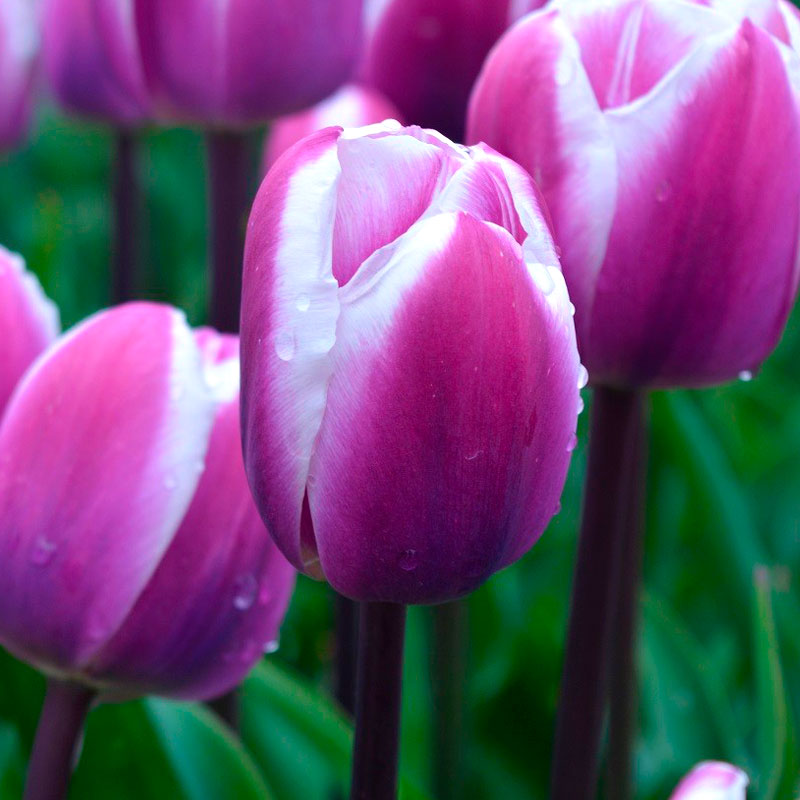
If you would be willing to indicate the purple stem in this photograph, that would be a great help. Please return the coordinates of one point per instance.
(346, 642)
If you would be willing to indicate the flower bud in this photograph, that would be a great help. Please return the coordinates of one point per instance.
(133, 557)
(18, 48)
(29, 322)
(664, 137)
(90, 72)
(712, 780)
(237, 62)
(410, 374)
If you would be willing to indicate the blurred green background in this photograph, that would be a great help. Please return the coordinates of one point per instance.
(720, 645)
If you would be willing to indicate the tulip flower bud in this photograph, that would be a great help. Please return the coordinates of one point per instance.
(425, 54)
(93, 73)
(410, 374)
(133, 557)
(18, 46)
(29, 322)
(351, 107)
(712, 780)
(237, 62)
(664, 137)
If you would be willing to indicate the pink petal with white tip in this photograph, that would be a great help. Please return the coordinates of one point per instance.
(712, 780)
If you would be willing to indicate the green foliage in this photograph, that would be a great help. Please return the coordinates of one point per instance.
(720, 649)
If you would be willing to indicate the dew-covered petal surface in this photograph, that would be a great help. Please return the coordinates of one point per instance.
(98, 463)
(217, 599)
(700, 271)
(29, 322)
(450, 415)
(712, 780)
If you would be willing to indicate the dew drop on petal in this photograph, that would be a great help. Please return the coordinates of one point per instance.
(43, 551)
(245, 591)
(408, 560)
(303, 302)
(583, 377)
(745, 375)
(271, 647)
(542, 278)
(284, 345)
(580, 404)
(572, 444)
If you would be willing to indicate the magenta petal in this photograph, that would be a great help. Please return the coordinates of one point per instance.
(449, 417)
(18, 48)
(99, 454)
(29, 322)
(712, 780)
(709, 201)
(218, 597)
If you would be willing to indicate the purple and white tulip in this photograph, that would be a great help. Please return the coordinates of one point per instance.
(29, 322)
(353, 106)
(712, 780)
(91, 58)
(133, 557)
(425, 54)
(238, 62)
(664, 137)
(410, 374)
(19, 44)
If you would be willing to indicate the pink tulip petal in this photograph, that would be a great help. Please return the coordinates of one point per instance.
(29, 322)
(700, 312)
(289, 312)
(98, 463)
(712, 780)
(449, 416)
(559, 135)
(217, 598)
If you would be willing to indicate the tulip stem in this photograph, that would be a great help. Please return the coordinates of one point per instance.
(66, 705)
(623, 679)
(126, 191)
(449, 647)
(616, 438)
(229, 174)
(346, 642)
(378, 697)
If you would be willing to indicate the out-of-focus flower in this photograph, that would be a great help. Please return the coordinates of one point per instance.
(18, 48)
(410, 374)
(425, 54)
(29, 322)
(664, 137)
(353, 106)
(236, 62)
(712, 780)
(99, 75)
(133, 557)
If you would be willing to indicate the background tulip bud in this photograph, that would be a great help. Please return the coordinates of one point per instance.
(351, 107)
(712, 780)
(410, 375)
(29, 322)
(18, 47)
(134, 559)
(92, 73)
(425, 54)
(245, 61)
(664, 137)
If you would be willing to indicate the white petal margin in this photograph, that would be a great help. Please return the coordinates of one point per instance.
(45, 310)
(713, 780)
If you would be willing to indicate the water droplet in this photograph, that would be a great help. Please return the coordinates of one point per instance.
(271, 646)
(43, 551)
(246, 590)
(664, 191)
(542, 278)
(565, 71)
(745, 375)
(583, 377)
(572, 309)
(170, 482)
(473, 456)
(408, 560)
(580, 404)
(572, 444)
(303, 302)
(557, 509)
(284, 345)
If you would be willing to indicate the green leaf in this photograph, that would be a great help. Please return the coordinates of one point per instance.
(12, 765)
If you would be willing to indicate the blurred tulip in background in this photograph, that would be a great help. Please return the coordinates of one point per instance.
(19, 44)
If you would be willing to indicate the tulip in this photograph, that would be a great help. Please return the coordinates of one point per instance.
(351, 107)
(778, 17)
(663, 136)
(409, 394)
(29, 322)
(712, 780)
(425, 54)
(18, 47)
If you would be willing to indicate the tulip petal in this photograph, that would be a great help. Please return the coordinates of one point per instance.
(449, 416)
(100, 447)
(559, 135)
(712, 780)
(29, 322)
(18, 48)
(217, 599)
(707, 171)
(289, 312)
